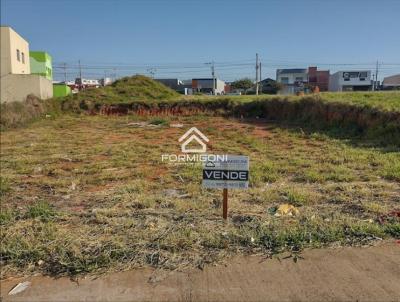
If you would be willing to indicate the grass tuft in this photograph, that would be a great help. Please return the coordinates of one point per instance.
(42, 210)
(297, 197)
(4, 185)
(159, 121)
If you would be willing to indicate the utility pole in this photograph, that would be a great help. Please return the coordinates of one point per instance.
(376, 75)
(257, 67)
(115, 73)
(213, 75)
(80, 75)
(260, 77)
(373, 82)
(65, 73)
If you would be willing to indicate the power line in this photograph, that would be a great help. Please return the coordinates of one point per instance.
(237, 68)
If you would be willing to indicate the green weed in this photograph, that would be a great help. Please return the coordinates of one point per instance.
(4, 185)
(42, 210)
(297, 197)
(159, 121)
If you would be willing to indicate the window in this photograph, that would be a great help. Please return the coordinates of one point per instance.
(285, 80)
(299, 79)
(18, 58)
(23, 57)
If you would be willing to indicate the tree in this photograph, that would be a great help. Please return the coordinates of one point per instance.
(243, 84)
(271, 87)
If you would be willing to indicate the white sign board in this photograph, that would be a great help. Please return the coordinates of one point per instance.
(231, 172)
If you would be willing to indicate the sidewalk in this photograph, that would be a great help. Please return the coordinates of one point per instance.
(345, 274)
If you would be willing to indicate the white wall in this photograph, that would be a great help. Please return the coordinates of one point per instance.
(208, 84)
(220, 87)
(337, 81)
(334, 82)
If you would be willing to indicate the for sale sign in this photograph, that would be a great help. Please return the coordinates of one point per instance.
(227, 172)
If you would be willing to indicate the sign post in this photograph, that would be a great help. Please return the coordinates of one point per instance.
(225, 204)
(226, 172)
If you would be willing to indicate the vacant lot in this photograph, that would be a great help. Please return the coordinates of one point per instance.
(90, 193)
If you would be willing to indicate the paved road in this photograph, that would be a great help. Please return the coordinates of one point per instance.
(346, 274)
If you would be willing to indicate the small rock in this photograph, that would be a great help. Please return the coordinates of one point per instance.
(137, 124)
(176, 125)
(38, 169)
(40, 262)
(184, 195)
(73, 186)
(175, 193)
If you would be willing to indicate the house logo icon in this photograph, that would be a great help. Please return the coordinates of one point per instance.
(193, 134)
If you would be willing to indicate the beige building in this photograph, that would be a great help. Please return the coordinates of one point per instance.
(14, 53)
(17, 82)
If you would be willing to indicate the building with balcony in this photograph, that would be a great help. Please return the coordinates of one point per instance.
(292, 79)
(350, 80)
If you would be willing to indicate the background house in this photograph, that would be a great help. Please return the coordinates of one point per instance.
(318, 78)
(41, 64)
(171, 83)
(14, 53)
(292, 80)
(206, 86)
(61, 90)
(87, 83)
(350, 80)
(392, 82)
(17, 82)
(105, 81)
(184, 87)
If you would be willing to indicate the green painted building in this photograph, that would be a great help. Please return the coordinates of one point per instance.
(41, 64)
(60, 90)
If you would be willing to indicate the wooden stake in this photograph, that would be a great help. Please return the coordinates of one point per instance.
(225, 204)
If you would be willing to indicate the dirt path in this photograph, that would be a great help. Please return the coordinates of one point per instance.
(346, 274)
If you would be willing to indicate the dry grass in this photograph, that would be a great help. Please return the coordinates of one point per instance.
(90, 193)
(18, 114)
(373, 116)
(122, 91)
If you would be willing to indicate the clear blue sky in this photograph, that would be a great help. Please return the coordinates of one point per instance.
(177, 37)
